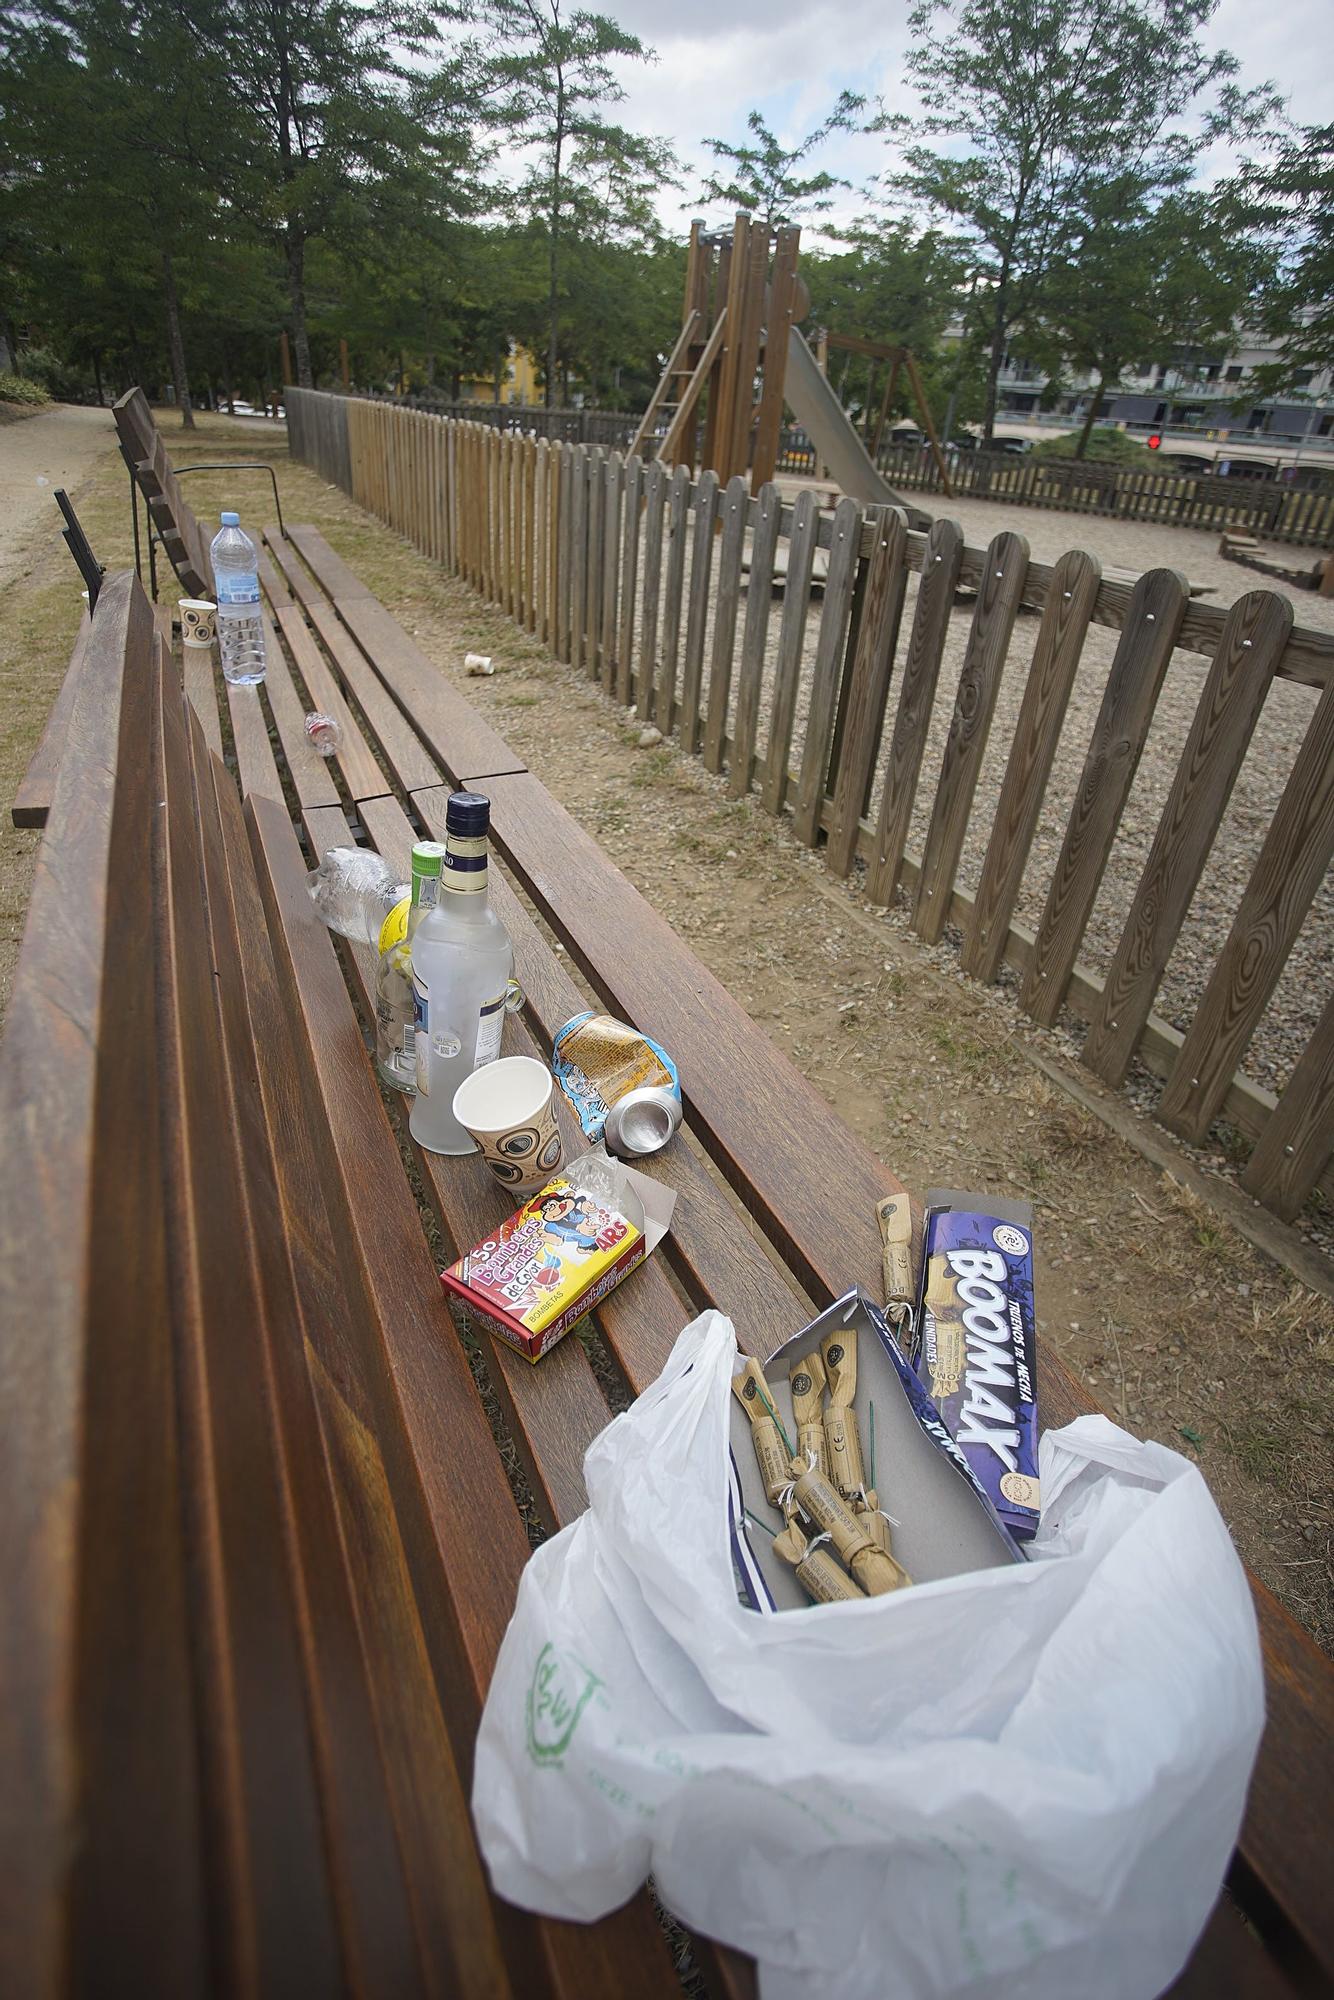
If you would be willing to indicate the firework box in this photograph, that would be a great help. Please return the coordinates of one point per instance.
(976, 1343)
(568, 1246)
(944, 1522)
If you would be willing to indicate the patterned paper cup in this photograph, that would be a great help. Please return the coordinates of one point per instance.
(507, 1108)
(199, 620)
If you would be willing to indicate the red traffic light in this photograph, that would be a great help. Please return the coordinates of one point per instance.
(1155, 441)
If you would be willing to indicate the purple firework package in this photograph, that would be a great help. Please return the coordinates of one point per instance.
(976, 1343)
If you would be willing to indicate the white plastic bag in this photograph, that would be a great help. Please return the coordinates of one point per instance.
(1032, 1774)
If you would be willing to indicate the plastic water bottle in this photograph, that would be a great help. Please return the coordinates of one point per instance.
(236, 587)
(353, 890)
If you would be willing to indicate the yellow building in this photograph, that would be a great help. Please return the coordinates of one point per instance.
(518, 381)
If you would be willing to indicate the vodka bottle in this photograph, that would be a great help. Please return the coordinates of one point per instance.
(462, 960)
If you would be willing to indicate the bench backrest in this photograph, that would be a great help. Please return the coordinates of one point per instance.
(146, 456)
(257, 1549)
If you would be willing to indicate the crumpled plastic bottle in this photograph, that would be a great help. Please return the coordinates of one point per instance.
(354, 889)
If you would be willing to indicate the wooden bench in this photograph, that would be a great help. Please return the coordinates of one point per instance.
(261, 1515)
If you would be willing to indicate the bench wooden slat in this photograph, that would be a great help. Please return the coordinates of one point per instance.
(287, 564)
(98, 1711)
(32, 801)
(374, 1913)
(201, 690)
(275, 586)
(261, 1793)
(255, 762)
(465, 745)
(328, 568)
(407, 756)
(392, 1792)
(309, 773)
(362, 774)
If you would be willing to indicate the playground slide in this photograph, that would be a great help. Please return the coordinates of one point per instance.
(816, 408)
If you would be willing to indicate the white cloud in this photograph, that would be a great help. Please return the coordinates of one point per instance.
(718, 59)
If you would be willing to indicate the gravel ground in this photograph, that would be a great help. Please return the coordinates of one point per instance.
(1295, 1007)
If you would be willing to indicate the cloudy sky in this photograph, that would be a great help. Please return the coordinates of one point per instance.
(790, 58)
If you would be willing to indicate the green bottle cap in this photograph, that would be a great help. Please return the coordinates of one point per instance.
(427, 856)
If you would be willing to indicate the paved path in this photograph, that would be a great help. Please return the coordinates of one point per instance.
(58, 448)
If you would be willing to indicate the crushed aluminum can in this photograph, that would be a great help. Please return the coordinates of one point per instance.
(642, 1121)
(623, 1085)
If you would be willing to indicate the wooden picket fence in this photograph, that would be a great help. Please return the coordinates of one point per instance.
(637, 574)
(1303, 515)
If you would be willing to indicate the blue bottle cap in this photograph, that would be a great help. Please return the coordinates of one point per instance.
(467, 814)
(231, 520)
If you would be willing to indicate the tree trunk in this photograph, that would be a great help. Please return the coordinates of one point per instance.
(296, 292)
(553, 266)
(228, 393)
(995, 360)
(97, 377)
(1092, 417)
(179, 375)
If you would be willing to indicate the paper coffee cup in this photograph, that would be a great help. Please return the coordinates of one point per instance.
(507, 1108)
(199, 620)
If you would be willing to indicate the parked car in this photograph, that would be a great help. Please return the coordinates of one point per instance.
(1012, 444)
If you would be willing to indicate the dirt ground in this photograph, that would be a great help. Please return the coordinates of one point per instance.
(57, 447)
(1181, 1328)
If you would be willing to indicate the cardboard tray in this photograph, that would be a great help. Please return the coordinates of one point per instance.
(947, 1524)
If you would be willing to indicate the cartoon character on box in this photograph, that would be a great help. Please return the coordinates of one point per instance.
(573, 1221)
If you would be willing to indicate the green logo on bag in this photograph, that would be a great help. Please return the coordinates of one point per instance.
(559, 1694)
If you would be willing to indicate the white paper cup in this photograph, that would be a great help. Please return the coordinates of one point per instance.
(199, 621)
(507, 1107)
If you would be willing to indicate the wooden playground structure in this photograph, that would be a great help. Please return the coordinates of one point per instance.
(744, 301)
